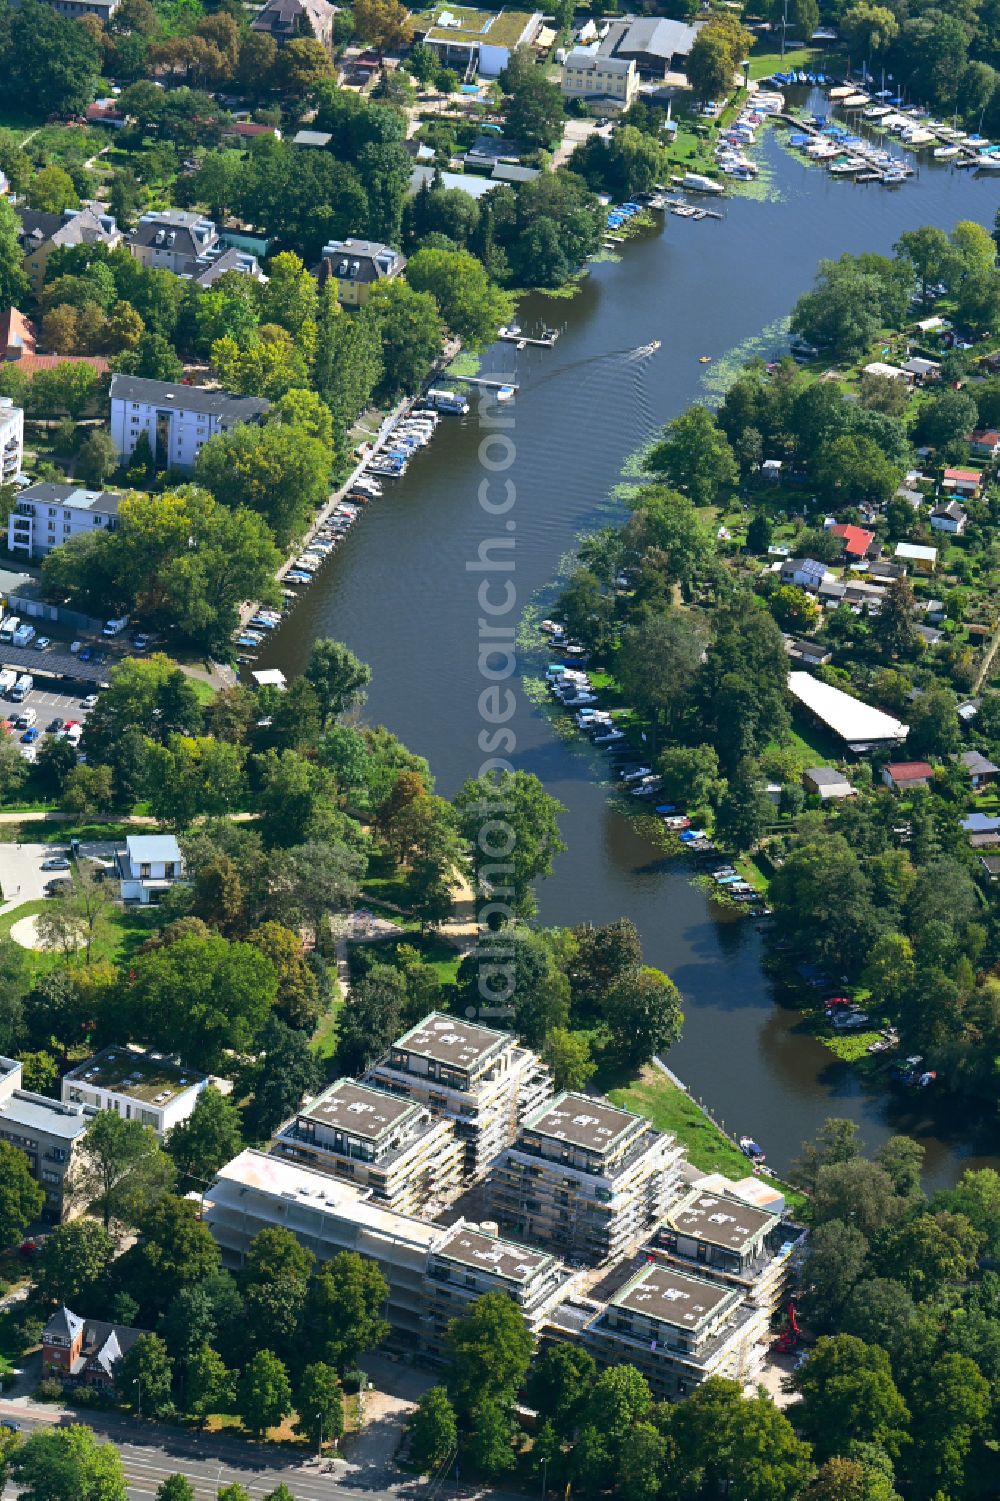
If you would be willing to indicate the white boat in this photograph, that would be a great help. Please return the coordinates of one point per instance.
(988, 163)
(943, 153)
(696, 183)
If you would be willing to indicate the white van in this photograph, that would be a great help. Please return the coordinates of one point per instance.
(74, 735)
(7, 680)
(115, 627)
(10, 625)
(26, 718)
(24, 634)
(22, 687)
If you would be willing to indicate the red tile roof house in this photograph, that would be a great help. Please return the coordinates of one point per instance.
(899, 776)
(855, 539)
(17, 335)
(967, 482)
(985, 443)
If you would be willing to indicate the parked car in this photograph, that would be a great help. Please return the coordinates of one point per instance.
(56, 862)
(86, 654)
(54, 725)
(75, 646)
(43, 643)
(30, 736)
(58, 886)
(140, 642)
(89, 701)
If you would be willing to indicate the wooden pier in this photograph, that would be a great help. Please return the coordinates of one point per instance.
(864, 170)
(487, 381)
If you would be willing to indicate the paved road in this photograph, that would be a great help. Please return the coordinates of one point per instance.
(209, 1461)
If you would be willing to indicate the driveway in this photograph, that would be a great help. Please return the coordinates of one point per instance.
(22, 878)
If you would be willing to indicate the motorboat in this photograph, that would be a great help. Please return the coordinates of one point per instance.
(751, 1149)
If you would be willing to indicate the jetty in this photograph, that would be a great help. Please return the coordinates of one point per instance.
(514, 335)
(859, 165)
(503, 384)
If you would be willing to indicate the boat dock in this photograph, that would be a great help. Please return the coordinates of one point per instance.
(685, 210)
(515, 336)
(858, 164)
(487, 381)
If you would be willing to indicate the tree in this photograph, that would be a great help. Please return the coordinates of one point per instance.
(121, 1170)
(929, 1251)
(511, 825)
(951, 1407)
(695, 455)
(174, 1251)
(372, 1020)
(73, 1259)
(934, 723)
(490, 1444)
(409, 326)
(13, 282)
(286, 1071)
(848, 1395)
(385, 24)
(433, 1431)
(144, 1376)
(489, 1349)
(21, 1198)
(337, 676)
(729, 1444)
(534, 108)
(471, 306)
(320, 1405)
(68, 1464)
(52, 190)
(216, 994)
(276, 470)
(893, 628)
(263, 1393)
(643, 1017)
(208, 1138)
(869, 31)
(559, 1385)
(837, 1257)
(52, 65)
(859, 1193)
(568, 1055)
(850, 1480)
(344, 1310)
(175, 1488)
(276, 1283)
(208, 1384)
(744, 810)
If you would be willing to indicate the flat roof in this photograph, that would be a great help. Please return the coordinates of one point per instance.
(39, 1113)
(449, 1039)
(915, 551)
(281, 1179)
(673, 1298)
(149, 1077)
(581, 1121)
(848, 717)
(359, 1109)
(718, 1221)
(462, 23)
(503, 1258)
(150, 848)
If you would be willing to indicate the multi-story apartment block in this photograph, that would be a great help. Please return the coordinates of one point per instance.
(584, 1178)
(47, 1132)
(11, 440)
(588, 74)
(189, 245)
(411, 1160)
(483, 1081)
(676, 1329)
(730, 1243)
(46, 515)
(139, 1086)
(74, 9)
(471, 1261)
(177, 420)
(326, 1216)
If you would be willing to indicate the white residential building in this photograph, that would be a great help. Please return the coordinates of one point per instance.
(177, 420)
(47, 1132)
(483, 1081)
(11, 440)
(148, 866)
(47, 515)
(138, 1085)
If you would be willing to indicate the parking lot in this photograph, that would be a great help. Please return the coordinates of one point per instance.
(50, 700)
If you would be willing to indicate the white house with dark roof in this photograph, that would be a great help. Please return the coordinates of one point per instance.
(177, 419)
(949, 516)
(46, 515)
(187, 244)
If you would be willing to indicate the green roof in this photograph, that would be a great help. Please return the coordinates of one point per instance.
(500, 28)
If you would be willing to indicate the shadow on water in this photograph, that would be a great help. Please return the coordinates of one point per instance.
(399, 594)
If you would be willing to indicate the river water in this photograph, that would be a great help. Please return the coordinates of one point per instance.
(399, 594)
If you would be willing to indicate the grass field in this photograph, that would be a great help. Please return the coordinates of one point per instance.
(119, 932)
(708, 1148)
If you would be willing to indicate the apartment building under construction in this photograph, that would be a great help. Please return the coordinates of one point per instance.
(484, 1082)
(726, 1241)
(411, 1161)
(584, 1178)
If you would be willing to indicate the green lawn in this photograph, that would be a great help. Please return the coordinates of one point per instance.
(670, 1109)
(765, 58)
(120, 932)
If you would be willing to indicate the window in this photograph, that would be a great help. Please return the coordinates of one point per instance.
(50, 1177)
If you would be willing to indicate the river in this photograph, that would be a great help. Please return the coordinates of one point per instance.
(399, 594)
